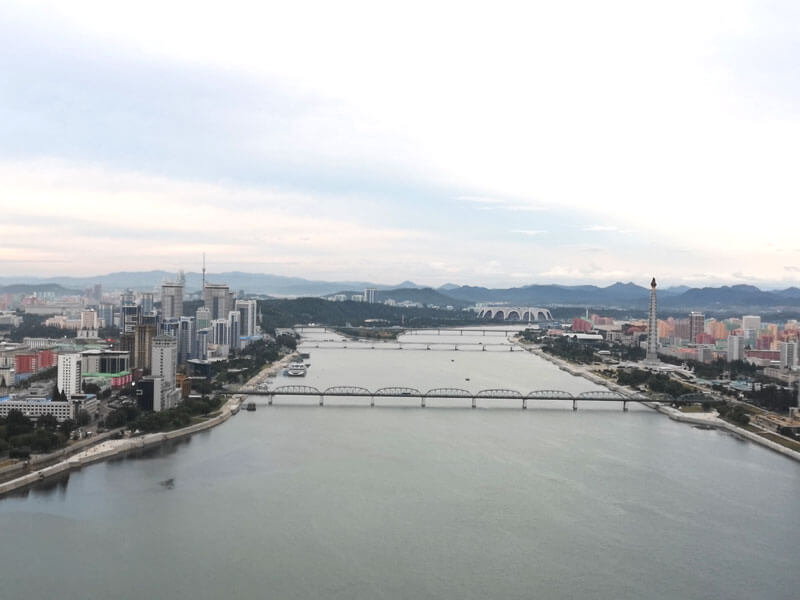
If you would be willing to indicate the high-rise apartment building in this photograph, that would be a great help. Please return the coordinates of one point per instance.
(217, 298)
(735, 347)
(234, 329)
(202, 318)
(129, 315)
(247, 311)
(89, 319)
(369, 295)
(106, 314)
(187, 339)
(220, 332)
(751, 325)
(143, 346)
(146, 302)
(788, 356)
(203, 335)
(69, 374)
(165, 359)
(171, 300)
(697, 325)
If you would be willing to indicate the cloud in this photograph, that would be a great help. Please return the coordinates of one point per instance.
(601, 228)
(530, 232)
(487, 203)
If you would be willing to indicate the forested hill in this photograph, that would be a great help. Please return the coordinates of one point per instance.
(427, 296)
(285, 313)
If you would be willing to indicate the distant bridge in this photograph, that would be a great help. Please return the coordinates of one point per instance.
(486, 396)
(364, 344)
(515, 313)
(467, 330)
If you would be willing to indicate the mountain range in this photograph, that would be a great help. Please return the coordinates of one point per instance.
(617, 295)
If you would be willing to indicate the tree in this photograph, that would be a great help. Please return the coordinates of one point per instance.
(66, 427)
(17, 423)
(83, 418)
(91, 388)
(48, 422)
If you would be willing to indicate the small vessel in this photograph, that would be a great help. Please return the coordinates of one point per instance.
(296, 369)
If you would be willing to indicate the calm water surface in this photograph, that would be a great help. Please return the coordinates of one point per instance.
(298, 501)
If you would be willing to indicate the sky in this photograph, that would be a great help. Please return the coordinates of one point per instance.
(498, 144)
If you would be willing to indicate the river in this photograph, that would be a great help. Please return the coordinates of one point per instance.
(301, 501)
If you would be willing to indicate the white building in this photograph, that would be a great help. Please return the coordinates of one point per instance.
(788, 354)
(165, 393)
(165, 358)
(220, 332)
(247, 311)
(735, 348)
(751, 325)
(69, 374)
(36, 407)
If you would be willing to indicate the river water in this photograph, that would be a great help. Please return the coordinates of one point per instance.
(301, 501)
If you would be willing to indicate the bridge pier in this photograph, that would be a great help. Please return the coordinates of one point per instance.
(625, 405)
(269, 402)
(372, 400)
(524, 403)
(575, 404)
(474, 404)
(322, 400)
(423, 401)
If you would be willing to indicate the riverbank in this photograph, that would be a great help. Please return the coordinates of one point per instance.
(103, 448)
(709, 420)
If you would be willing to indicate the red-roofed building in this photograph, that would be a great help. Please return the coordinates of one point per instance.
(581, 325)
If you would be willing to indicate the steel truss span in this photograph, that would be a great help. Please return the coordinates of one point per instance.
(485, 396)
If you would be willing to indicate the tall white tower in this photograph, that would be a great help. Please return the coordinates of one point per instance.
(652, 326)
(69, 374)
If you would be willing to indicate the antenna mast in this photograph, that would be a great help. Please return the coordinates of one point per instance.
(204, 273)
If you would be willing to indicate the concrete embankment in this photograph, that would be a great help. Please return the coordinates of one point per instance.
(672, 413)
(716, 423)
(102, 447)
(109, 448)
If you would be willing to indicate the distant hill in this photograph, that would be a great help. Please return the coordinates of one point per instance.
(618, 294)
(426, 296)
(37, 288)
(254, 283)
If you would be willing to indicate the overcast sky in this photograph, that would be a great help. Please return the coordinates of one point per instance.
(501, 143)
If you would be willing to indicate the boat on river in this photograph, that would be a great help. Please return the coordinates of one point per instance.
(296, 369)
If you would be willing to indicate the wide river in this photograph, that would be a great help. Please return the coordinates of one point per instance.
(301, 501)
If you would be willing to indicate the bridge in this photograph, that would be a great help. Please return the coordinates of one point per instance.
(515, 313)
(466, 330)
(363, 344)
(485, 396)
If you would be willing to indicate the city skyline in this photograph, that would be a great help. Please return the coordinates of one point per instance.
(535, 145)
